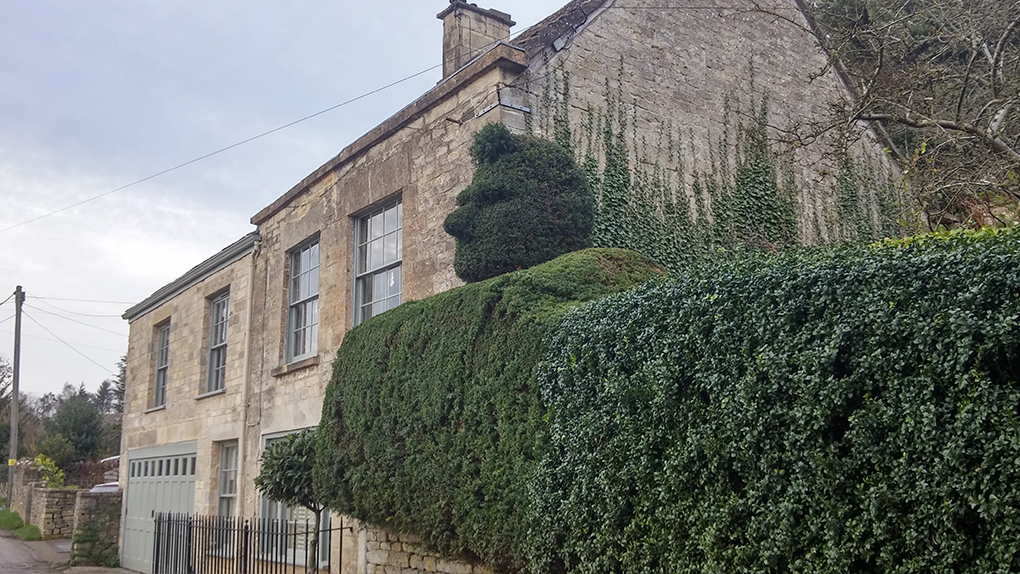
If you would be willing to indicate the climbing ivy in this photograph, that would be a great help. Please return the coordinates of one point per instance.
(658, 198)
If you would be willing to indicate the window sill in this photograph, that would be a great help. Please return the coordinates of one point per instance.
(295, 366)
(211, 394)
(154, 409)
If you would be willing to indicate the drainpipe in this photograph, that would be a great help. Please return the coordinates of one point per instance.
(245, 382)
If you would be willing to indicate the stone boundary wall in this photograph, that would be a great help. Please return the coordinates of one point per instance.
(53, 511)
(96, 528)
(25, 480)
(391, 553)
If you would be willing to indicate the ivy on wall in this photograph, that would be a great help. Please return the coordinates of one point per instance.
(678, 200)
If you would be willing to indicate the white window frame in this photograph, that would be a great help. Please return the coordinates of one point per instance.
(378, 257)
(219, 320)
(162, 364)
(227, 504)
(303, 305)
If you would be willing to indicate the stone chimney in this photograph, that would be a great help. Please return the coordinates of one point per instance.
(468, 31)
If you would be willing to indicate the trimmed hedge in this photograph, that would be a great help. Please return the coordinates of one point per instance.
(528, 203)
(847, 410)
(432, 422)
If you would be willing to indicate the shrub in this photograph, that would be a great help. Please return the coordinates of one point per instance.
(48, 471)
(527, 203)
(848, 410)
(432, 422)
(10, 520)
(285, 475)
(58, 448)
(28, 532)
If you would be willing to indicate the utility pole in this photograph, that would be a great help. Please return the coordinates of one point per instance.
(19, 297)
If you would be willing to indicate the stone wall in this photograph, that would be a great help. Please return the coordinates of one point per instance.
(53, 512)
(391, 553)
(25, 480)
(96, 528)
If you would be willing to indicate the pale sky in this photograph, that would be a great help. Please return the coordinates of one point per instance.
(98, 94)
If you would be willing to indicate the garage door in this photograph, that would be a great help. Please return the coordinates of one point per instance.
(160, 479)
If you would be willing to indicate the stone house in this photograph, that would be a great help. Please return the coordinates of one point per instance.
(237, 351)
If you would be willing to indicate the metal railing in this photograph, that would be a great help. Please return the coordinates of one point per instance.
(188, 544)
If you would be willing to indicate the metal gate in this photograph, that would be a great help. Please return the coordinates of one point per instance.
(160, 479)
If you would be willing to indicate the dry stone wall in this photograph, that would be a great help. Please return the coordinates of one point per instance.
(391, 553)
(25, 480)
(96, 528)
(53, 511)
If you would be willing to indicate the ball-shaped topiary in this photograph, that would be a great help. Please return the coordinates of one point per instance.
(527, 204)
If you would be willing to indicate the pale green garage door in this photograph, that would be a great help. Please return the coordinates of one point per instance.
(160, 479)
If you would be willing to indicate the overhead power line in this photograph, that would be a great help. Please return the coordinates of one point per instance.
(84, 300)
(52, 306)
(9, 297)
(331, 108)
(74, 320)
(221, 150)
(7, 319)
(69, 346)
(75, 343)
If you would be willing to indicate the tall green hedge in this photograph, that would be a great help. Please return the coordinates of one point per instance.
(528, 203)
(432, 423)
(847, 410)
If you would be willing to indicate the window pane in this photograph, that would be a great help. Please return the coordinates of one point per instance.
(378, 307)
(400, 244)
(362, 231)
(313, 281)
(394, 281)
(362, 263)
(376, 226)
(376, 256)
(391, 219)
(313, 255)
(295, 289)
(390, 246)
(379, 291)
(363, 294)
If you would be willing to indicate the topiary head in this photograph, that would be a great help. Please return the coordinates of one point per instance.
(527, 204)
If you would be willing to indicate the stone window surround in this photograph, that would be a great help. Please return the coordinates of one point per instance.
(161, 365)
(357, 218)
(289, 362)
(226, 489)
(216, 349)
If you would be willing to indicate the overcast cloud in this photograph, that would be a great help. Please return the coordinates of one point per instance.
(95, 95)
